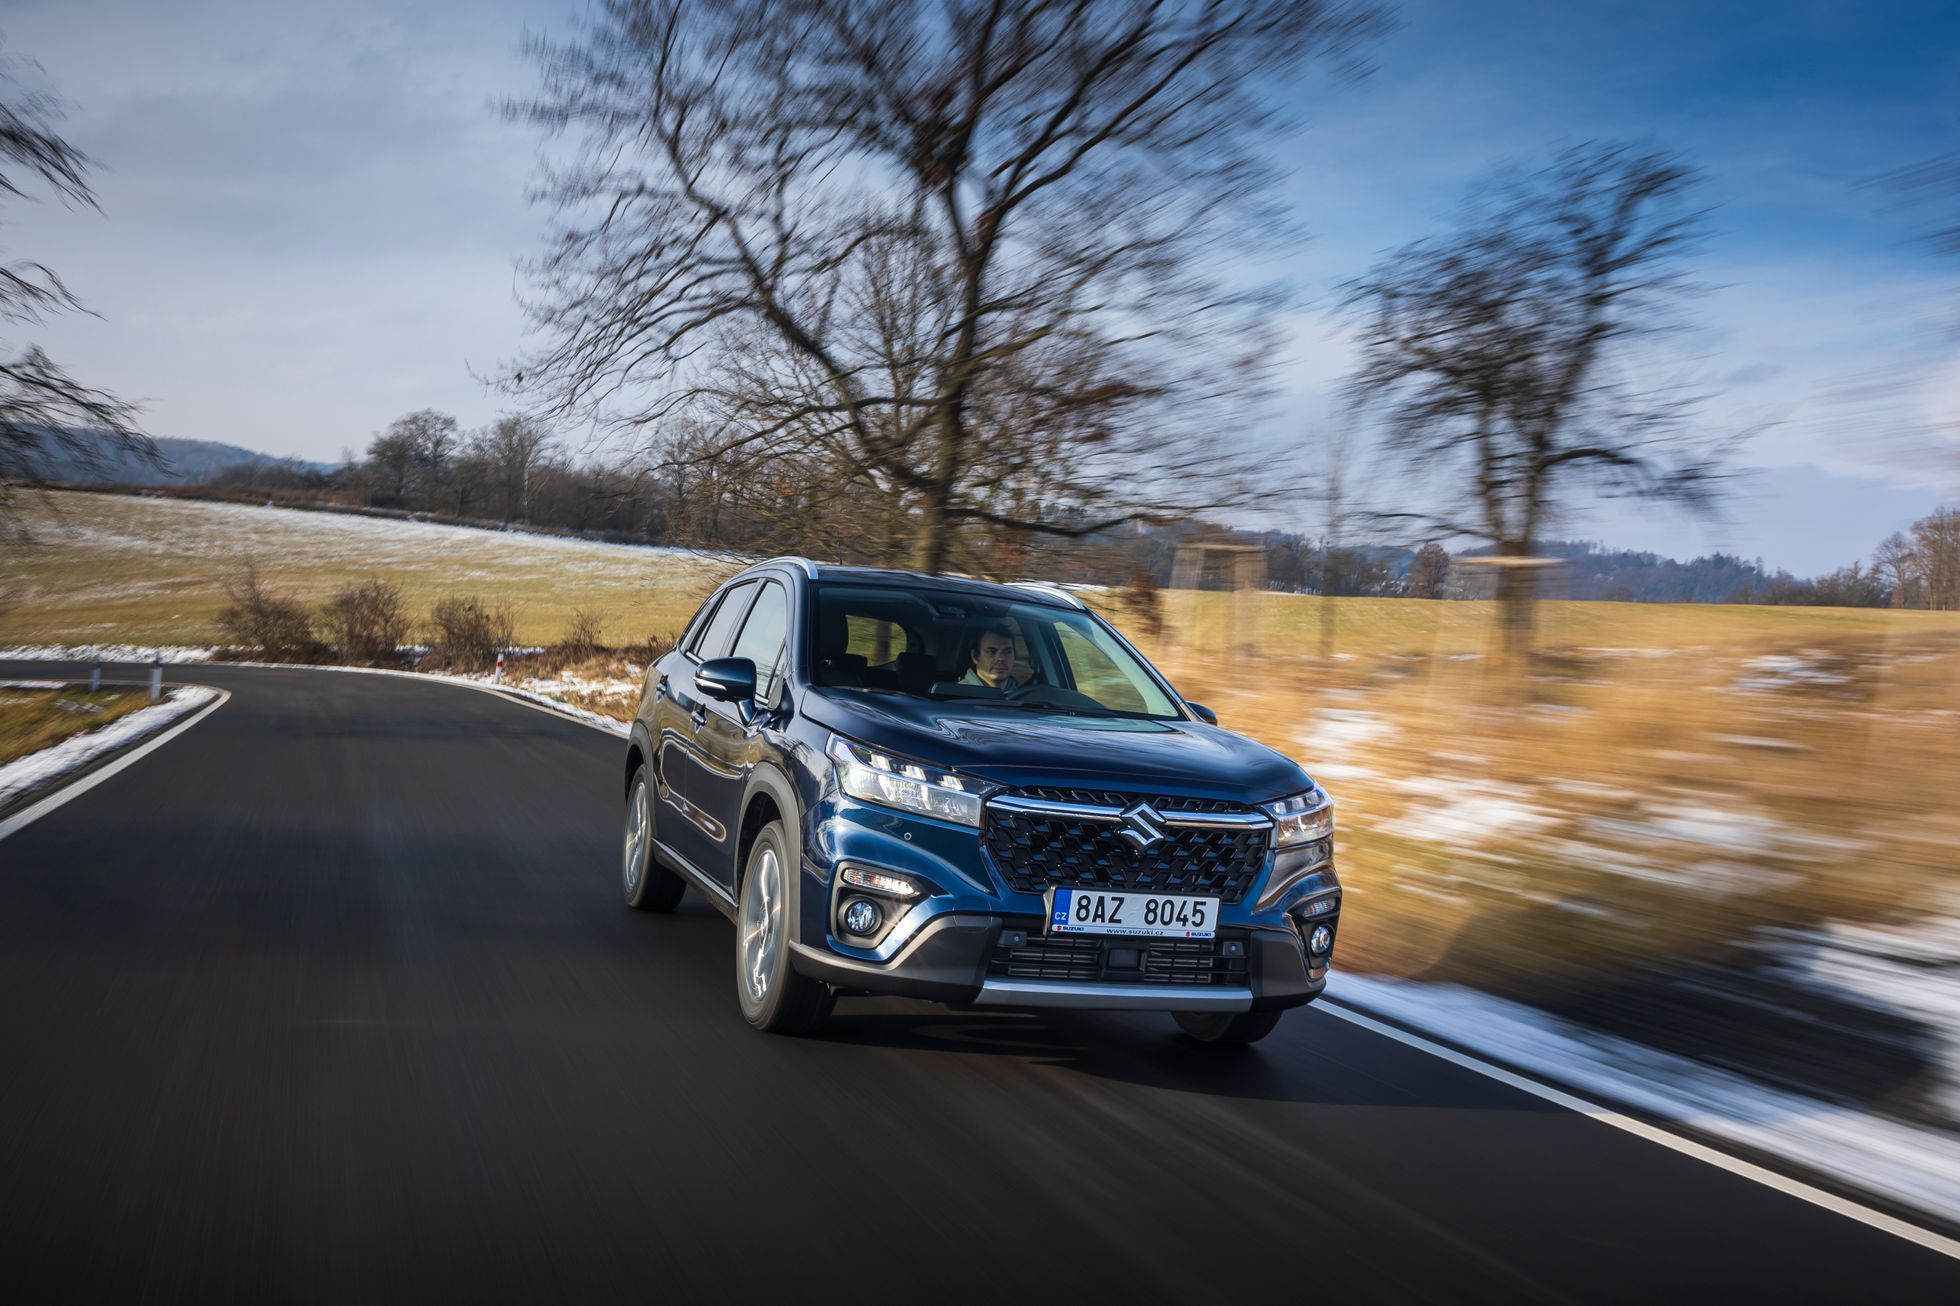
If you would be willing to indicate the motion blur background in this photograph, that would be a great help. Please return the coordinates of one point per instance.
(1538, 420)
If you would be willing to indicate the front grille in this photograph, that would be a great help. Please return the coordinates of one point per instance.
(1118, 961)
(1038, 851)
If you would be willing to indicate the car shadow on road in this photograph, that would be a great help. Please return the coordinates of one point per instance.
(1310, 1059)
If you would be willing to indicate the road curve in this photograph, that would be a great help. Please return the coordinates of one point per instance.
(332, 998)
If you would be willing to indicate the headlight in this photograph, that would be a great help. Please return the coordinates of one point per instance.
(1302, 818)
(874, 776)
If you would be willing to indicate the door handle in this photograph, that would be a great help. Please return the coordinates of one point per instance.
(699, 716)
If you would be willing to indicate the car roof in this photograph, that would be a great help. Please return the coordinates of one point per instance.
(1019, 591)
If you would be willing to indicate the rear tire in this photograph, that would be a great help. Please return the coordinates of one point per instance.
(1227, 1030)
(646, 884)
(774, 998)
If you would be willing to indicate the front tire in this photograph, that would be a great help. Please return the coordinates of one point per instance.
(646, 884)
(774, 997)
(1225, 1030)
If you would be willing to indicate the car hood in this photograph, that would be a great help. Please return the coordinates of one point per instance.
(1022, 748)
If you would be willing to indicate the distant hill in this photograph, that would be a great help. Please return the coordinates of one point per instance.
(186, 462)
(1594, 571)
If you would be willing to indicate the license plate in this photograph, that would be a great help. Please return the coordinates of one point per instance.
(1140, 915)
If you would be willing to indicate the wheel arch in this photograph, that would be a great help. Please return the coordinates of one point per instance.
(639, 752)
(769, 796)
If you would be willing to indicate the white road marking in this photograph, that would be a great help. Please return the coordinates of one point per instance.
(69, 792)
(1641, 1129)
(508, 693)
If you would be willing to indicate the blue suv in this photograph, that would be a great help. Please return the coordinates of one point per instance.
(974, 793)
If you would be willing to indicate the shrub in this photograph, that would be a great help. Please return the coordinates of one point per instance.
(582, 640)
(467, 633)
(367, 620)
(278, 628)
(652, 649)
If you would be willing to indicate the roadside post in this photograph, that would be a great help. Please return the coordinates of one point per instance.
(500, 666)
(95, 678)
(156, 675)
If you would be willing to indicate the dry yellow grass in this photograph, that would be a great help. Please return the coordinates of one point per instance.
(33, 719)
(118, 569)
(1615, 810)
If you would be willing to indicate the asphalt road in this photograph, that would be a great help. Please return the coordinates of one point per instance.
(332, 999)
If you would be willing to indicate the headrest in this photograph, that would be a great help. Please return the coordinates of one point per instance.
(916, 672)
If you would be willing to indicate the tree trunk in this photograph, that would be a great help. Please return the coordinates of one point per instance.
(1517, 592)
(929, 534)
(1327, 615)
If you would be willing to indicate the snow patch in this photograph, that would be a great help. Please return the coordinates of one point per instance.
(1763, 742)
(1329, 742)
(104, 653)
(1474, 814)
(1913, 969)
(1918, 1167)
(23, 775)
(1781, 671)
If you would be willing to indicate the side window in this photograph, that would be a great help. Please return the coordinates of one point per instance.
(878, 641)
(720, 631)
(762, 639)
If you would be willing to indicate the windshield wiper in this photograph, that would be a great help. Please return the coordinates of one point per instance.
(1056, 709)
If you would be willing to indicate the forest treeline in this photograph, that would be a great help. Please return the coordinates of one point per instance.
(515, 473)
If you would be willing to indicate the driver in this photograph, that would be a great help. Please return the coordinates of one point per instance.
(991, 659)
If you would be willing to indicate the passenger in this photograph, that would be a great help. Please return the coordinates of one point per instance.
(990, 658)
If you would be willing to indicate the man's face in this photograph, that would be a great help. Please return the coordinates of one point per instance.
(993, 659)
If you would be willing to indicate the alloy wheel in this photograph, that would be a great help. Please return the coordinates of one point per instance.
(639, 822)
(762, 919)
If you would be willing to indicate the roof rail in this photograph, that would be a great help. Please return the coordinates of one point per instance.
(1052, 591)
(809, 568)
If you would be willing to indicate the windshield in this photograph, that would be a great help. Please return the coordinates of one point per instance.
(944, 644)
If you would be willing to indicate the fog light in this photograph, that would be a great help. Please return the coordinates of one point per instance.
(861, 916)
(1320, 940)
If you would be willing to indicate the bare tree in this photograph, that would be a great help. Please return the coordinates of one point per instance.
(1429, 573)
(433, 437)
(1896, 559)
(392, 456)
(973, 256)
(46, 414)
(1936, 544)
(512, 449)
(1498, 354)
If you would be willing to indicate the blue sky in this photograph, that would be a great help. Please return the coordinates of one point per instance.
(311, 211)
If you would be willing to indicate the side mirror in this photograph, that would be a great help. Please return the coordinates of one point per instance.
(732, 680)
(1205, 714)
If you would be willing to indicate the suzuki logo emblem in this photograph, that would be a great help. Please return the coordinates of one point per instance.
(1143, 826)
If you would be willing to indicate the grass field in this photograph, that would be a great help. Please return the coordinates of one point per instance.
(33, 719)
(1667, 787)
(118, 569)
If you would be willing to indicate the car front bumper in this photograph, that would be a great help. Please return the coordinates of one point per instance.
(960, 957)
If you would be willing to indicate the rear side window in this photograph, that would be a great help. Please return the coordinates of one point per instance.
(715, 637)
(762, 639)
(875, 640)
